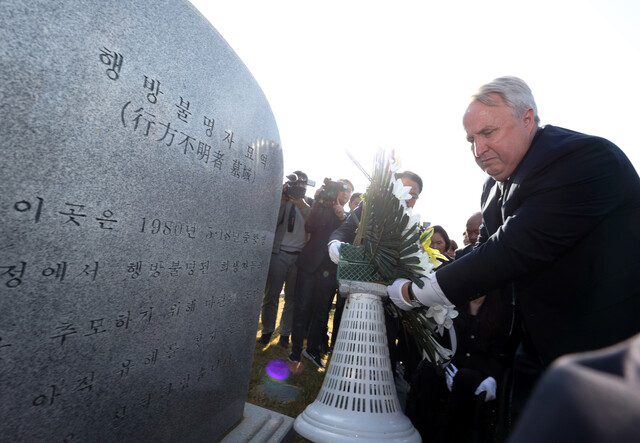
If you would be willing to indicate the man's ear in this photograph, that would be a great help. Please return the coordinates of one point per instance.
(529, 119)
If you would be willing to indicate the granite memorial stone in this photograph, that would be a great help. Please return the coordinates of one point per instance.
(141, 174)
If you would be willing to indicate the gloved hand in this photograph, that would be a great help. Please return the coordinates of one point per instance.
(395, 294)
(489, 386)
(334, 250)
(430, 294)
(449, 374)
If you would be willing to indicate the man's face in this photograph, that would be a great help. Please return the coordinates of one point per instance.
(415, 191)
(499, 140)
(473, 229)
(354, 203)
(344, 196)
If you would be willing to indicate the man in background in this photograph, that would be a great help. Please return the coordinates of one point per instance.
(290, 238)
(346, 233)
(355, 200)
(316, 281)
(472, 232)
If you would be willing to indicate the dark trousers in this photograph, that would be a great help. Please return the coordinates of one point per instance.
(337, 317)
(314, 292)
(441, 416)
(527, 370)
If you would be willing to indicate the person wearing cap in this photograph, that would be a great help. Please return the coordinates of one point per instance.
(290, 237)
(316, 281)
(346, 233)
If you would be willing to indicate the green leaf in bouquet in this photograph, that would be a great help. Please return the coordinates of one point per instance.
(384, 231)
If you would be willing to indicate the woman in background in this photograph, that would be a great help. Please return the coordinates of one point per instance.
(440, 240)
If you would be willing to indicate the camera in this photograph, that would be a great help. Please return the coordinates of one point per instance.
(292, 190)
(329, 192)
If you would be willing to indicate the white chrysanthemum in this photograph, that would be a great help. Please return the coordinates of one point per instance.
(443, 315)
(417, 254)
(442, 354)
(400, 191)
(425, 263)
(414, 219)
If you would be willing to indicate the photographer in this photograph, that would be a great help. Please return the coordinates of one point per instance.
(290, 238)
(316, 281)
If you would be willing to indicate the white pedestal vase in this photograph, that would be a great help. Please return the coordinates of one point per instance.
(358, 400)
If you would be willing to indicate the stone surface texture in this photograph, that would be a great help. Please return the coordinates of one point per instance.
(141, 173)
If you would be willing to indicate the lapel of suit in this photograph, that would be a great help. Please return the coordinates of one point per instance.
(492, 209)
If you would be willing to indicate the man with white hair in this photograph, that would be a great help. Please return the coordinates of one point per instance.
(555, 208)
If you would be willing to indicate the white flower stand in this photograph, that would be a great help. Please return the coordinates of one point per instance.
(357, 401)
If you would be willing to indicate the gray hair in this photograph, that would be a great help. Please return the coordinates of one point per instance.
(513, 91)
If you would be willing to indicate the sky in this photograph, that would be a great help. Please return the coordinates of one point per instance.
(363, 75)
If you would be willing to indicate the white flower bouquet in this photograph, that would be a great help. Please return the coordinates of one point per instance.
(389, 245)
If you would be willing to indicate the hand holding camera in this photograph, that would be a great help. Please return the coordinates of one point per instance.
(328, 195)
(338, 210)
(295, 187)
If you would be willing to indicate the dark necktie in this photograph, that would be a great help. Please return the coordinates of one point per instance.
(500, 192)
(292, 218)
(493, 220)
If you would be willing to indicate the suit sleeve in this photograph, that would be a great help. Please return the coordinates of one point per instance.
(346, 232)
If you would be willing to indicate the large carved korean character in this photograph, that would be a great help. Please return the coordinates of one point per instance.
(183, 109)
(14, 273)
(154, 87)
(57, 271)
(73, 212)
(27, 206)
(107, 220)
(113, 60)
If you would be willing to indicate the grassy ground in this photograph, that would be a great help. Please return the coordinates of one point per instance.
(291, 395)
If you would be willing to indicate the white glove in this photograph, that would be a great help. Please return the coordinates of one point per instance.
(430, 294)
(489, 386)
(395, 294)
(449, 374)
(334, 250)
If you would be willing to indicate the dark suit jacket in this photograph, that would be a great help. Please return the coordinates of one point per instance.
(566, 236)
(346, 232)
(462, 252)
(589, 397)
(321, 222)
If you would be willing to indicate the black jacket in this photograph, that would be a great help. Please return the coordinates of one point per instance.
(346, 231)
(588, 397)
(566, 236)
(321, 222)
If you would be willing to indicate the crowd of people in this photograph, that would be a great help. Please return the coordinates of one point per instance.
(540, 274)
(300, 262)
